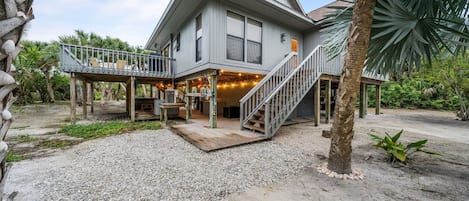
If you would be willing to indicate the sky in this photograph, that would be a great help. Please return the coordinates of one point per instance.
(129, 20)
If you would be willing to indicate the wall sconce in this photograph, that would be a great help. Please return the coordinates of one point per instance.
(282, 37)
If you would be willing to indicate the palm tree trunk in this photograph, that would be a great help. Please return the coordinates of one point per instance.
(342, 128)
(50, 90)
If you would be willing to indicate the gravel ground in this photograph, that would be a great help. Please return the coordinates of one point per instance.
(152, 165)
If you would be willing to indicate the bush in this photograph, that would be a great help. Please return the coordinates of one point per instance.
(397, 151)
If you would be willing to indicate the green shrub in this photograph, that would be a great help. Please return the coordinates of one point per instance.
(397, 150)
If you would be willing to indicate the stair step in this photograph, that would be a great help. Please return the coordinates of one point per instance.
(259, 115)
(256, 121)
(251, 127)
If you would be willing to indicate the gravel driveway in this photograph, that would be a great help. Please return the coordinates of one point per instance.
(152, 165)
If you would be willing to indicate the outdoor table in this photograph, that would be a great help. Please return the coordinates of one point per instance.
(164, 110)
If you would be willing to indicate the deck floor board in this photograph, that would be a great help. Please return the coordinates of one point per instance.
(211, 139)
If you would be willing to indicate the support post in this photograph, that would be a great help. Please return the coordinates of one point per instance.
(188, 100)
(92, 96)
(317, 103)
(378, 99)
(73, 98)
(85, 99)
(328, 101)
(127, 97)
(213, 101)
(362, 108)
(132, 99)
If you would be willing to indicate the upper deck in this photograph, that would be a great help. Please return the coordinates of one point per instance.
(98, 61)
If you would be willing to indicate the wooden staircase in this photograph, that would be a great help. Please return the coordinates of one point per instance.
(266, 107)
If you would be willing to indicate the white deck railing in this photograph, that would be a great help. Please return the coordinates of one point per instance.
(83, 59)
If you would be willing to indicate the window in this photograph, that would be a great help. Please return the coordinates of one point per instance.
(198, 36)
(243, 39)
(235, 37)
(254, 42)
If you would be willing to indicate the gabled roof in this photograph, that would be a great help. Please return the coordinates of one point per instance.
(297, 5)
(321, 13)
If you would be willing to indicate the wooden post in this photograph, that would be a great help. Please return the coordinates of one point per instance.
(213, 101)
(73, 98)
(188, 100)
(378, 99)
(92, 96)
(328, 101)
(127, 96)
(362, 108)
(85, 99)
(132, 99)
(317, 103)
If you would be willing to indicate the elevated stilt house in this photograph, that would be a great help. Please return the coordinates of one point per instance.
(261, 61)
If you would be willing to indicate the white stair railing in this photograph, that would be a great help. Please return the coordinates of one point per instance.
(286, 97)
(254, 99)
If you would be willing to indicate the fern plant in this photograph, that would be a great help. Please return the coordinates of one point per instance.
(395, 149)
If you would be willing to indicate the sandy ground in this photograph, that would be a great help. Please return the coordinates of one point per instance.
(427, 177)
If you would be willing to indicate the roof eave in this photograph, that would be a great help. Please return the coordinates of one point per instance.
(297, 15)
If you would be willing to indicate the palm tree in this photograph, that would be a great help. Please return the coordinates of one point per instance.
(10, 33)
(391, 36)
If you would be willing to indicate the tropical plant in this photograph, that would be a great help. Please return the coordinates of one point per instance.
(397, 151)
(391, 36)
(36, 65)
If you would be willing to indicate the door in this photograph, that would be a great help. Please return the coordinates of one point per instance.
(294, 45)
(294, 48)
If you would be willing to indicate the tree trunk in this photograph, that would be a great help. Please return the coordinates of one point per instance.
(357, 48)
(103, 93)
(144, 90)
(50, 90)
(109, 92)
(463, 110)
(118, 93)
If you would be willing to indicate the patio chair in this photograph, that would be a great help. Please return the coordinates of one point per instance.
(94, 62)
(121, 64)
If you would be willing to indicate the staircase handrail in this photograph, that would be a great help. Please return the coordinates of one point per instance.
(317, 61)
(257, 95)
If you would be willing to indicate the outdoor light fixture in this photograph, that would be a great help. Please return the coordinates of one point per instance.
(282, 37)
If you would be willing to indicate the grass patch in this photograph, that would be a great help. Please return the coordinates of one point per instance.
(55, 144)
(97, 130)
(12, 157)
(26, 138)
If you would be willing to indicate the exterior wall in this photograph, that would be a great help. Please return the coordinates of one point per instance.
(273, 50)
(312, 39)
